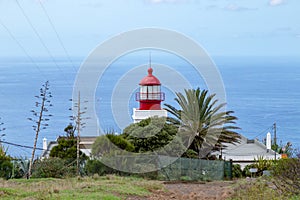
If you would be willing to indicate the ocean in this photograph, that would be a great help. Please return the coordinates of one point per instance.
(260, 91)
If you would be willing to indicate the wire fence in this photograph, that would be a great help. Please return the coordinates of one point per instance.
(168, 168)
(180, 169)
(194, 170)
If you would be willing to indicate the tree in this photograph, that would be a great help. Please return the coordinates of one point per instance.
(153, 134)
(70, 131)
(67, 146)
(110, 143)
(200, 118)
(39, 117)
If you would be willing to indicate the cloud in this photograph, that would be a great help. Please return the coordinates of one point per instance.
(276, 2)
(235, 7)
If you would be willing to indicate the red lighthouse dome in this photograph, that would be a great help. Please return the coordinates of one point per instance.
(150, 95)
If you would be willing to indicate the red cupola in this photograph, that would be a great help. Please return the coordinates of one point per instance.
(150, 95)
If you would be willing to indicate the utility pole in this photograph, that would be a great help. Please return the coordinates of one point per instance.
(275, 139)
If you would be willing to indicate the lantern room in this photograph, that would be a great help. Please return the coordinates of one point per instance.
(149, 98)
(150, 95)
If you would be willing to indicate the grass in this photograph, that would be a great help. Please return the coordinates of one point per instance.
(106, 187)
(260, 188)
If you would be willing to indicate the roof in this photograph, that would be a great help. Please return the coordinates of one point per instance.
(248, 150)
(150, 79)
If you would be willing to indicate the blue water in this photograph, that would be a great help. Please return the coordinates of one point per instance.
(261, 91)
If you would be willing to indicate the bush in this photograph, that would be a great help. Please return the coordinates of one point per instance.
(263, 164)
(53, 167)
(256, 189)
(97, 167)
(5, 164)
(120, 142)
(237, 171)
(246, 170)
(286, 174)
(5, 169)
(190, 154)
(260, 164)
(109, 144)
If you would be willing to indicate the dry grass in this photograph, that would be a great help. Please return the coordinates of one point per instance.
(106, 187)
(258, 188)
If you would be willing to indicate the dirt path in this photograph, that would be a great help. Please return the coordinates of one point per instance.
(211, 190)
(217, 190)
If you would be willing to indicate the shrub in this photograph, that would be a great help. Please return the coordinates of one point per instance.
(246, 170)
(97, 167)
(190, 154)
(255, 189)
(120, 142)
(53, 167)
(263, 164)
(5, 164)
(260, 164)
(286, 174)
(108, 144)
(5, 169)
(237, 171)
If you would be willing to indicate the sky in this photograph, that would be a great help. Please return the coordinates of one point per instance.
(40, 28)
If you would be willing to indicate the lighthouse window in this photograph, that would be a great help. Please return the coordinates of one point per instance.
(156, 88)
(151, 92)
(143, 92)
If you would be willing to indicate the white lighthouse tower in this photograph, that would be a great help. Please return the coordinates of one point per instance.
(150, 98)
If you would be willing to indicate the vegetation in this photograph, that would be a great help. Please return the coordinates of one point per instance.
(256, 189)
(93, 167)
(261, 164)
(96, 187)
(39, 117)
(21, 168)
(109, 144)
(67, 146)
(286, 174)
(5, 164)
(53, 168)
(151, 134)
(202, 120)
(237, 171)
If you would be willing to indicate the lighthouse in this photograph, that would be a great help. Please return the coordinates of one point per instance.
(149, 98)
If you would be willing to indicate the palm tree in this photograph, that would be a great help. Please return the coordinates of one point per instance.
(202, 121)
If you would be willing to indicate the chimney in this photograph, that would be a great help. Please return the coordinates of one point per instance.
(45, 144)
(268, 142)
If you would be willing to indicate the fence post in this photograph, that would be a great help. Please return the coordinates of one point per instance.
(230, 169)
